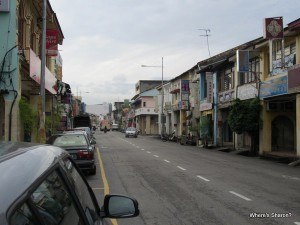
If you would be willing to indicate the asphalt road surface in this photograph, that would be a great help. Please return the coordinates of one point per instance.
(177, 184)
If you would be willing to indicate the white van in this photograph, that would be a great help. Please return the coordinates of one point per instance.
(115, 126)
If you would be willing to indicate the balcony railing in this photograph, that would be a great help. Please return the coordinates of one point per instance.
(146, 111)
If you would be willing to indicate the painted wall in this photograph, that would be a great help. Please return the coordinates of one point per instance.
(8, 41)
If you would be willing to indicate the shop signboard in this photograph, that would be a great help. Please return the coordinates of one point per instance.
(35, 73)
(274, 87)
(273, 28)
(4, 5)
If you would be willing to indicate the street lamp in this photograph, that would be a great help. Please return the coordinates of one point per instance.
(162, 91)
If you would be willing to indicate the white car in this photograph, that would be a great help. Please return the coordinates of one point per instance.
(114, 126)
(131, 132)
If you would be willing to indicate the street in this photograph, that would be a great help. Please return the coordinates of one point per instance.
(177, 184)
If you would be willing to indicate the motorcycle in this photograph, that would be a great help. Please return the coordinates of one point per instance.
(173, 137)
(170, 137)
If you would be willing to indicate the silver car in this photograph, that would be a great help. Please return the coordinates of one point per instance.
(131, 132)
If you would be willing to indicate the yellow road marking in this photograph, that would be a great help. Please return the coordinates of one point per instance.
(105, 183)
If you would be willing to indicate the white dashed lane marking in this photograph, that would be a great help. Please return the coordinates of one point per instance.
(167, 161)
(240, 196)
(202, 178)
(156, 156)
(181, 168)
(148, 152)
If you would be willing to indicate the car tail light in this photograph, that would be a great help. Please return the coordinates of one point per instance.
(84, 154)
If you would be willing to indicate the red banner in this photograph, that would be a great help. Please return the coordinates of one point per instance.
(51, 38)
(273, 28)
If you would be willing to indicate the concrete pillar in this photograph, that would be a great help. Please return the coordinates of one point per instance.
(266, 132)
(215, 108)
(298, 124)
(148, 124)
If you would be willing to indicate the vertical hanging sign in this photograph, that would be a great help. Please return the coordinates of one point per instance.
(209, 80)
(273, 28)
(51, 42)
(242, 60)
(185, 90)
(4, 5)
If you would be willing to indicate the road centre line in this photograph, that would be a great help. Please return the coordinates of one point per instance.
(167, 161)
(290, 177)
(181, 168)
(239, 195)
(203, 178)
(156, 156)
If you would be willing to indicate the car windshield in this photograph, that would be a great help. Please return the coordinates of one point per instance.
(70, 140)
(130, 129)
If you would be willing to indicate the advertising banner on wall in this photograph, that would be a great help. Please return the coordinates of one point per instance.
(273, 28)
(35, 73)
(185, 89)
(4, 5)
(51, 42)
(274, 87)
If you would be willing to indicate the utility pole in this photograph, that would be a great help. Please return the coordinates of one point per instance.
(42, 108)
(206, 35)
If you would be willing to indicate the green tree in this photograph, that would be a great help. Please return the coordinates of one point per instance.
(205, 129)
(28, 117)
(244, 116)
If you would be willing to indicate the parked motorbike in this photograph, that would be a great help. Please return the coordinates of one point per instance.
(170, 137)
(173, 137)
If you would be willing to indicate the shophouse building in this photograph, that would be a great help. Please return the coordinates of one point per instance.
(280, 92)
(20, 27)
(145, 112)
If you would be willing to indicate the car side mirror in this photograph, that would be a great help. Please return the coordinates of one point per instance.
(93, 142)
(118, 206)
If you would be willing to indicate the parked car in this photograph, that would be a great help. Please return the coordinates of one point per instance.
(79, 146)
(114, 126)
(41, 184)
(131, 132)
(86, 129)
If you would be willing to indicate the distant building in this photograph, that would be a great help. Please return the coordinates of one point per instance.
(99, 109)
(145, 85)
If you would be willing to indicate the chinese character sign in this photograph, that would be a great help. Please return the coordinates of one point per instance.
(51, 38)
(273, 28)
(185, 89)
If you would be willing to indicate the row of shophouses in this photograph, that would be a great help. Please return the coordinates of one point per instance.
(209, 88)
(20, 72)
(206, 90)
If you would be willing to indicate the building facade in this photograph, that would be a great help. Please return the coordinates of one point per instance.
(21, 65)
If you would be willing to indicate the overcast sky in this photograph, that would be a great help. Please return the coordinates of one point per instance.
(106, 41)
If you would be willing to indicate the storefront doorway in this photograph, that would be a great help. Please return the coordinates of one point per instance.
(283, 132)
